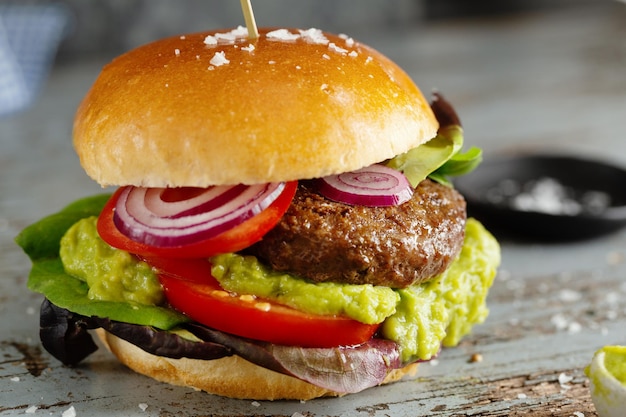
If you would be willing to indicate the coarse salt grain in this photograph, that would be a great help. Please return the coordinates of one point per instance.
(574, 327)
(578, 414)
(15, 379)
(565, 379)
(521, 396)
(143, 406)
(183, 37)
(353, 54)
(569, 296)
(210, 40)
(315, 36)
(612, 298)
(226, 37)
(31, 410)
(177, 52)
(219, 59)
(348, 39)
(255, 404)
(333, 47)
(282, 35)
(70, 412)
(559, 321)
(248, 48)
(233, 35)
(326, 56)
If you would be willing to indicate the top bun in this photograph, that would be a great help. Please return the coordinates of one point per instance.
(219, 108)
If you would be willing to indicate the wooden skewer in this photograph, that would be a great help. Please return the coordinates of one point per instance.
(248, 15)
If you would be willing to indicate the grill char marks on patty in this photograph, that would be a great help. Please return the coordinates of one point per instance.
(395, 246)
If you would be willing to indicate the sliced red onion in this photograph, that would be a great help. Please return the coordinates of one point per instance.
(375, 186)
(152, 216)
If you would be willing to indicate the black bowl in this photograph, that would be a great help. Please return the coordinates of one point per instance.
(545, 197)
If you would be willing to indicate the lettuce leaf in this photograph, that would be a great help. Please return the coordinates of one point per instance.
(441, 157)
(343, 369)
(418, 163)
(40, 241)
(459, 164)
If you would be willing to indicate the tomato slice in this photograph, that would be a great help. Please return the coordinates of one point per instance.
(232, 240)
(190, 288)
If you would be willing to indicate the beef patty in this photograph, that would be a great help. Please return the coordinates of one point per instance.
(396, 246)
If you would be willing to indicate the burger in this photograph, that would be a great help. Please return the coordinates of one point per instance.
(284, 224)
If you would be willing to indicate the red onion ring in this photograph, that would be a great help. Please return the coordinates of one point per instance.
(374, 186)
(144, 215)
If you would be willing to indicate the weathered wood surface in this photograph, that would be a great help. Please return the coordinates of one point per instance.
(554, 81)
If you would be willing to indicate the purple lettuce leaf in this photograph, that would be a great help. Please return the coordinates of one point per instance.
(344, 369)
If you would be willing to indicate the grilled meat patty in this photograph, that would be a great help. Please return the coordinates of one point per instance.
(395, 246)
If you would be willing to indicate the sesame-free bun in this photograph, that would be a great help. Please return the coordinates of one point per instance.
(231, 376)
(185, 112)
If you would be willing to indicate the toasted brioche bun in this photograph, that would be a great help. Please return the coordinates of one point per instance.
(172, 113)
(232, 376)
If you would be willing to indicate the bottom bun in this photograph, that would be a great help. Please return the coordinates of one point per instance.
(231, 376)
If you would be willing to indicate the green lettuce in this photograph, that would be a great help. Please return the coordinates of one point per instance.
(438, 159)
(40, 241)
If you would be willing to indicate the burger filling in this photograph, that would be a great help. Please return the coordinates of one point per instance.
(96, 280)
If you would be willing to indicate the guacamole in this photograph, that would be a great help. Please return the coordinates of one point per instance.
(420, 318)
(246, 275)
(615, 362)
(443, 310)
(111, 274)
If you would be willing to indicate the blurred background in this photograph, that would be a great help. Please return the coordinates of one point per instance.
(116, 25)
(34, 34)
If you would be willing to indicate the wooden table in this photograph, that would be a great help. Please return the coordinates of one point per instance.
(554, 81)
